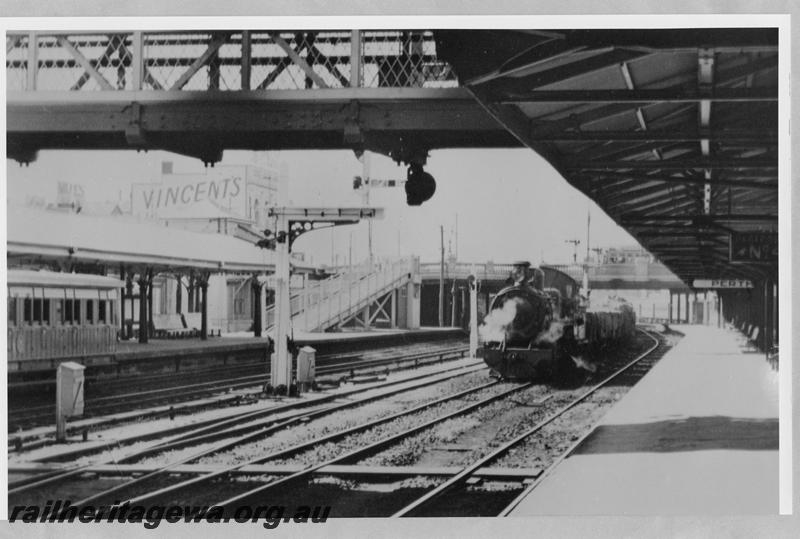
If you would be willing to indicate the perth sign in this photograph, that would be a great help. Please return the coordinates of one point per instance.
(722, 283)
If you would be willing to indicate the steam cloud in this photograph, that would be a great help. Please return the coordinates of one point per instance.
(583, 364)
(551, 334)
(610, 304)
(496, 322)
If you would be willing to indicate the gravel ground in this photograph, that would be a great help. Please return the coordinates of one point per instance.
(420, 481)
(330, 450)
(116, 433)
(336, 423)
(456, 442)
(429, 447)
(543, 448)
(464, 440)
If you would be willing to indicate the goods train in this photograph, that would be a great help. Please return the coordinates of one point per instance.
(539, 326)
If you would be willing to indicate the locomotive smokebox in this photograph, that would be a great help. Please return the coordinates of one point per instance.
(532, 314)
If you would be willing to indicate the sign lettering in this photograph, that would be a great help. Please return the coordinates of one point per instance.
(722, 283)
(754, 247)
(223, 187)
(70, 194)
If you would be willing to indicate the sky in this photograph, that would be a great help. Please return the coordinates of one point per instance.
(508, 204)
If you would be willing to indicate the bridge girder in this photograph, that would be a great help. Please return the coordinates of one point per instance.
(401, 123)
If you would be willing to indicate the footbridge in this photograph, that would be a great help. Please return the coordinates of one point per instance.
(199, 93)
(371, 295)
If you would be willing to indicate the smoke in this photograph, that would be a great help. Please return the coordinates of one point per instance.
(609, 304)
(583, 364)
(551, 334)
(496, 322)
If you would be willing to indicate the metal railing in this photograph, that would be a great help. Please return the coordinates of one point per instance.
(226, 60)
(331, 301)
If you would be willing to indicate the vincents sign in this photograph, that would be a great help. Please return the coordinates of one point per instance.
(224, 187)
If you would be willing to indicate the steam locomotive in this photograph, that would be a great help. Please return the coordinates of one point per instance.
(539, 326)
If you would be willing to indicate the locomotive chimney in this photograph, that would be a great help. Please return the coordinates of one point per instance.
(537, 280)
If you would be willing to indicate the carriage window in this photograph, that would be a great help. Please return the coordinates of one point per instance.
(90, 311)
(12, 311)
(76, 305)
(27, 310)
(37, 309)
(67, 310)
(101, 312)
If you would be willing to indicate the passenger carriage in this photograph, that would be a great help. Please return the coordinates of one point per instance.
(60, 316)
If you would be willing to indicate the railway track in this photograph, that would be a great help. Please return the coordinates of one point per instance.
(245, 425)
(340, 364)
(298, 470)
(425, 505)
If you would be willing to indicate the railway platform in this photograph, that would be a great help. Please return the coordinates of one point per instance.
(181, 354)
(130, 350)
(697, 436)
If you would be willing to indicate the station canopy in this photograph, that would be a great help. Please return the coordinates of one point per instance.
(38, 236)
(673, 132)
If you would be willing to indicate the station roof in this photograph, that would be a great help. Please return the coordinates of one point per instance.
(36, 235)
(674, 132)
(58, 279)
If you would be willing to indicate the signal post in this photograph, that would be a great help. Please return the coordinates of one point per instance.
(290, 223)
(473, 313)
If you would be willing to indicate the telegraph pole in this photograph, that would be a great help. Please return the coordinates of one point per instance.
(365, 172)
(441, 278)
(472, 280)
(333, 248)
(453, 290)
(588, 225)
(586, 260)
(350, 254)
(456, 251)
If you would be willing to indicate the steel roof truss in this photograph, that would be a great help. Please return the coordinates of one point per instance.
(674, 164)
(716, 181)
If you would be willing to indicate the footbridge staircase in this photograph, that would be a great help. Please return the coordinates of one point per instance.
(366, 296)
